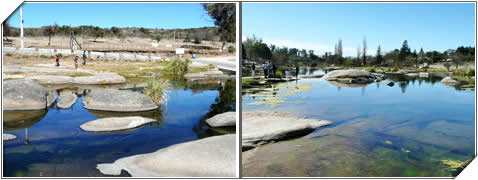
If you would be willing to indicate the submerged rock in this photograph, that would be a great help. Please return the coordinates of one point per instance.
(349, 76)
(209, 157)
(222, 120)
(101, 78)
(7, 137)
(262, 127)
(17, 120)
(115, 123)
(118, 100)
(25, 95)
(66, 99)
(50, 79)
(449, 81)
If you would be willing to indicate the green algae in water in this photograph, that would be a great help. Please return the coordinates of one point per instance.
(279, 95)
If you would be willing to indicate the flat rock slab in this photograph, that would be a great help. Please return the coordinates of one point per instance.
(24, 94)
(209, 157)
(262, 127)
(118, 101)
(223, 120)
(50, 79)
(7, 137)
(66, 99)
(115, 123)
(347, 73)
(100, 78)
(312, 76)
(449, 81)
(5, 76)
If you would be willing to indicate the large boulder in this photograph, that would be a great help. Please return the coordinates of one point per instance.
(7, 137)
(262, 127)
(26, 95)
(222, 120)
(118, 100)
(349, 76)
(50, 79)
(209, 157)
(100, 78)
(66, 99)
(115, 123)
(449, 81)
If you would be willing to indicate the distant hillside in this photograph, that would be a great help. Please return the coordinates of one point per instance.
(203, 33)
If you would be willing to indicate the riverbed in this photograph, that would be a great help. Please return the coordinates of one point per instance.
(418, 127)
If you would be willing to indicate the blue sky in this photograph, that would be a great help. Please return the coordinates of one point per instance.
(318, 26)
(148, 15)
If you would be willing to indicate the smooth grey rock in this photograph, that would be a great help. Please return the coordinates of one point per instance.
(262, 127)
(50, 79)
(66, 99)
(7, 137)
(209, 157)
(6, 76)
(24, 94)
(312, 76)
(423, 74)
(118, 100)
(449, 81)
(222, 120)
(349, 76)
(115, 123)
(100, 78)
(412, 74)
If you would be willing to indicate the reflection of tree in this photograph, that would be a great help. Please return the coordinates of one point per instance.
(224, 102)
(403, 85)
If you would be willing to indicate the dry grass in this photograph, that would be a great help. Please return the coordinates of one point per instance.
(128, 69)
(133, 44)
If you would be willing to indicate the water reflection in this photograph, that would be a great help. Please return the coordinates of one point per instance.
(403, 130)
(224, 102)
(58, 147)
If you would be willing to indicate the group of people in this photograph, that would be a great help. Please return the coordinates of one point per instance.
(75, 60)
(270, 70)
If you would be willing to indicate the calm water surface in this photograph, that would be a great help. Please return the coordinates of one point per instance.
(377, 130)
(50, 143)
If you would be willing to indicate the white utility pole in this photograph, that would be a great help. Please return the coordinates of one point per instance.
(21, 26)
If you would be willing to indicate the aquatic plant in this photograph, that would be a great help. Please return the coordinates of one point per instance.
(157, 90)
(178, 67)
(455, 167)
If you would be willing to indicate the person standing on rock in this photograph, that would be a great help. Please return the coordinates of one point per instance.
(84, 57)
(57, 60)
(253, 68)
(76, 62)
(296, 71)
(265, 70)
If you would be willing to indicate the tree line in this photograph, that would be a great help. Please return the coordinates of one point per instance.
(254, 49)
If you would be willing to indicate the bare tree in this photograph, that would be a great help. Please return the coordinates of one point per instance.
(359, 52)
(364, 52)
(49, 31)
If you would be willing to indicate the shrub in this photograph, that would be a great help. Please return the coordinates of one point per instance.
(314, 64)
(231, 49)
(394, 69)
(197, 40)
(157, 90)
(178, 66)
(156, 37)
(349, 62)
(371, 69)
(470, 72)
(278, 74)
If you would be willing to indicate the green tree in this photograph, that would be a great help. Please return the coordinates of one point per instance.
(379, 56)
(96, 33)
(224, 15)
(404, 51)
(364, 52)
